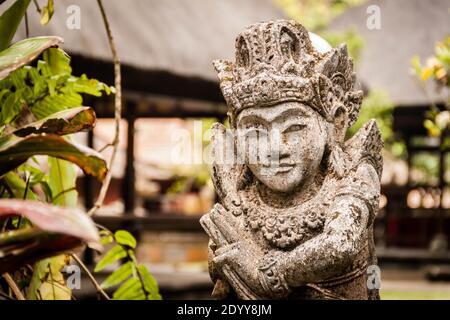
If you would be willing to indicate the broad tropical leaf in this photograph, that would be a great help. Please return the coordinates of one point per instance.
(48, 281)
(16, 150)
(55, 230)
(10, 20)
(61, 123)
(52, 218)
(23, 52)
(44, 88)
(47, 276)
(18, 187)
(62, 182)
(28, 245)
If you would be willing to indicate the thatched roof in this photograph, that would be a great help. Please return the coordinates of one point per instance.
(408, 27)
(167, 46)
(179, 36)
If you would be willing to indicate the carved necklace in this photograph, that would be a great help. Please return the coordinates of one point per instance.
(285, 227)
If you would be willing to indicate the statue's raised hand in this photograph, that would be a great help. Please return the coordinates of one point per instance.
(225, 173)
(234, 255)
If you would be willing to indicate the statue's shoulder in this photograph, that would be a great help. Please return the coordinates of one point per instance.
(365, 147)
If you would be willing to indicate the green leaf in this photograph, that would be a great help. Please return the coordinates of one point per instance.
(90, 86)
(114, 254)
(118, 276)
(47, 282)
(12, 106)
(45, 187)
(55, 103)
(10, 20)
(35, 174)
(17, 186)
(47, 12)
(58, 61)
(106, 238)
(125, 238)
(16, 150)
(23, 52)
(150, 283)
(61, 123)
(62, 182)
(130, 289)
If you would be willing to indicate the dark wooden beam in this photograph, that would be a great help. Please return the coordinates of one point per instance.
(160, 221)
(150, 81)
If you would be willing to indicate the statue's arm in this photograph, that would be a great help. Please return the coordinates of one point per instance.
(344, 235)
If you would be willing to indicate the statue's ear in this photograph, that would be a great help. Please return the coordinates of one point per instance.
(340, 120)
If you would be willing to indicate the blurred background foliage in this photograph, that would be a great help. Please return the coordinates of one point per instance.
(436, 68)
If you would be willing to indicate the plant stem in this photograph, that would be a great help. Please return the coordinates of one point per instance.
(15, 289)
(37, 6)
(63, 192)
(91, 277)
(5, 296)
(27, 30)
(117, 111)
(27, 184)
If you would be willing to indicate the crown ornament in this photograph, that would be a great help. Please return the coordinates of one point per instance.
(276, 62)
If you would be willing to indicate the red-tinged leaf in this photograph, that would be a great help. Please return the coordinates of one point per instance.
(61, 123)
(26, 246)
(46, 217)
(16, 150)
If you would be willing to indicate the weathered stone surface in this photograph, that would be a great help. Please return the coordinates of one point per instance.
(296, 213)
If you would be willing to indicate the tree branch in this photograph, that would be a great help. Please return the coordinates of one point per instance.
(15, 289)
(117, 111)
(91, 277)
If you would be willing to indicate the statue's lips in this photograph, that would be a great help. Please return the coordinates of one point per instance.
(282, 168)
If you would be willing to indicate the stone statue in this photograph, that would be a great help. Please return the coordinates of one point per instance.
(297, 222)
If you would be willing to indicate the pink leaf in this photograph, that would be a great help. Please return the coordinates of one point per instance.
(54, 219)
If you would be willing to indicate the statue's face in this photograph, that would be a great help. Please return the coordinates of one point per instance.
(283, 144)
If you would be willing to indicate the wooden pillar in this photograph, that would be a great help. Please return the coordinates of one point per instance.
(441, 213)
(128, 186)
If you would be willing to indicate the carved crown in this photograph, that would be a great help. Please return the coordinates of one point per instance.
(276, 62)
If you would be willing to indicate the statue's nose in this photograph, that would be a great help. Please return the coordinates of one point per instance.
(278, 149)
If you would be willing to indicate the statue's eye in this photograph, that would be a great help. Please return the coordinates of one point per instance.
(294, 128)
